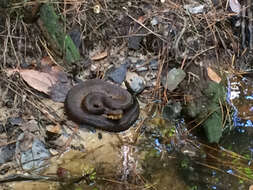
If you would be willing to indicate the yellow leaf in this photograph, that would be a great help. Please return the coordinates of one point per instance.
(213, 76)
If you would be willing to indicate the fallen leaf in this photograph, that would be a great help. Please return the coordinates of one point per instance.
(213, 76)
(99, 56)
(51, 81)
(40, 81)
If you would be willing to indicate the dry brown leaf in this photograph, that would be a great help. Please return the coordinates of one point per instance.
(40, 81)
(213, 76)
(51, 80)
(99, 56)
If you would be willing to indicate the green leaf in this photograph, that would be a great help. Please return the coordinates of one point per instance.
(213, 124)
(53, 30)
(216, 92)
(213, 127)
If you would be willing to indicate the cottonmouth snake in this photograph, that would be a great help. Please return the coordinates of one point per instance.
(102, 105)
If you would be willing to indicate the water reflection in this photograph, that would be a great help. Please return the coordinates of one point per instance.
(240, 97)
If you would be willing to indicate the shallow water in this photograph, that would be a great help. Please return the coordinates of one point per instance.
(192, 163)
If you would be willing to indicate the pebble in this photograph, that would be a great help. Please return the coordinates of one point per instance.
(139, 66)
(94, 67)
(150, 79)
(7, 152)
(153, 64)
(35, 157)
(15, 121)
(194, 9)
(118, 74)
(135, 82)
(154, 21)
(173, 78)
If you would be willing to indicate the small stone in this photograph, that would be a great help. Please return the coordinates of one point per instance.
(7, 152)
(173, 79)
(15, 121)
(54, 129)
(94, 67)
(97, 9)
(153, 64)
(194, 9)
(33, 155)
(150, 76)
(135, 82)
(53, 152)
(134, 41)
(60, 89)
(118, 75)
(154, 21)
(139, 66)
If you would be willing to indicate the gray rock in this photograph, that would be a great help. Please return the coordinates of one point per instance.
(153, 64)
(173, 78)
(194, 9)
(7, 152)
(154, 21)
(118, 75)
(135, 82)
(140, 66)
(36, 155)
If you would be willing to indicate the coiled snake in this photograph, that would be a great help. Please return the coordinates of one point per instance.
(102, 105)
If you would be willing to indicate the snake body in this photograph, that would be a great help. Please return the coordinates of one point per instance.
(102, 105)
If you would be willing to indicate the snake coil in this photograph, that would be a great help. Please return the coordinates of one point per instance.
(102, 105)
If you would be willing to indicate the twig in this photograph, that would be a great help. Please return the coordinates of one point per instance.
(152, 32)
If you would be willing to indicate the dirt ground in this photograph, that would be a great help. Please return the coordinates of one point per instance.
(108, 34)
